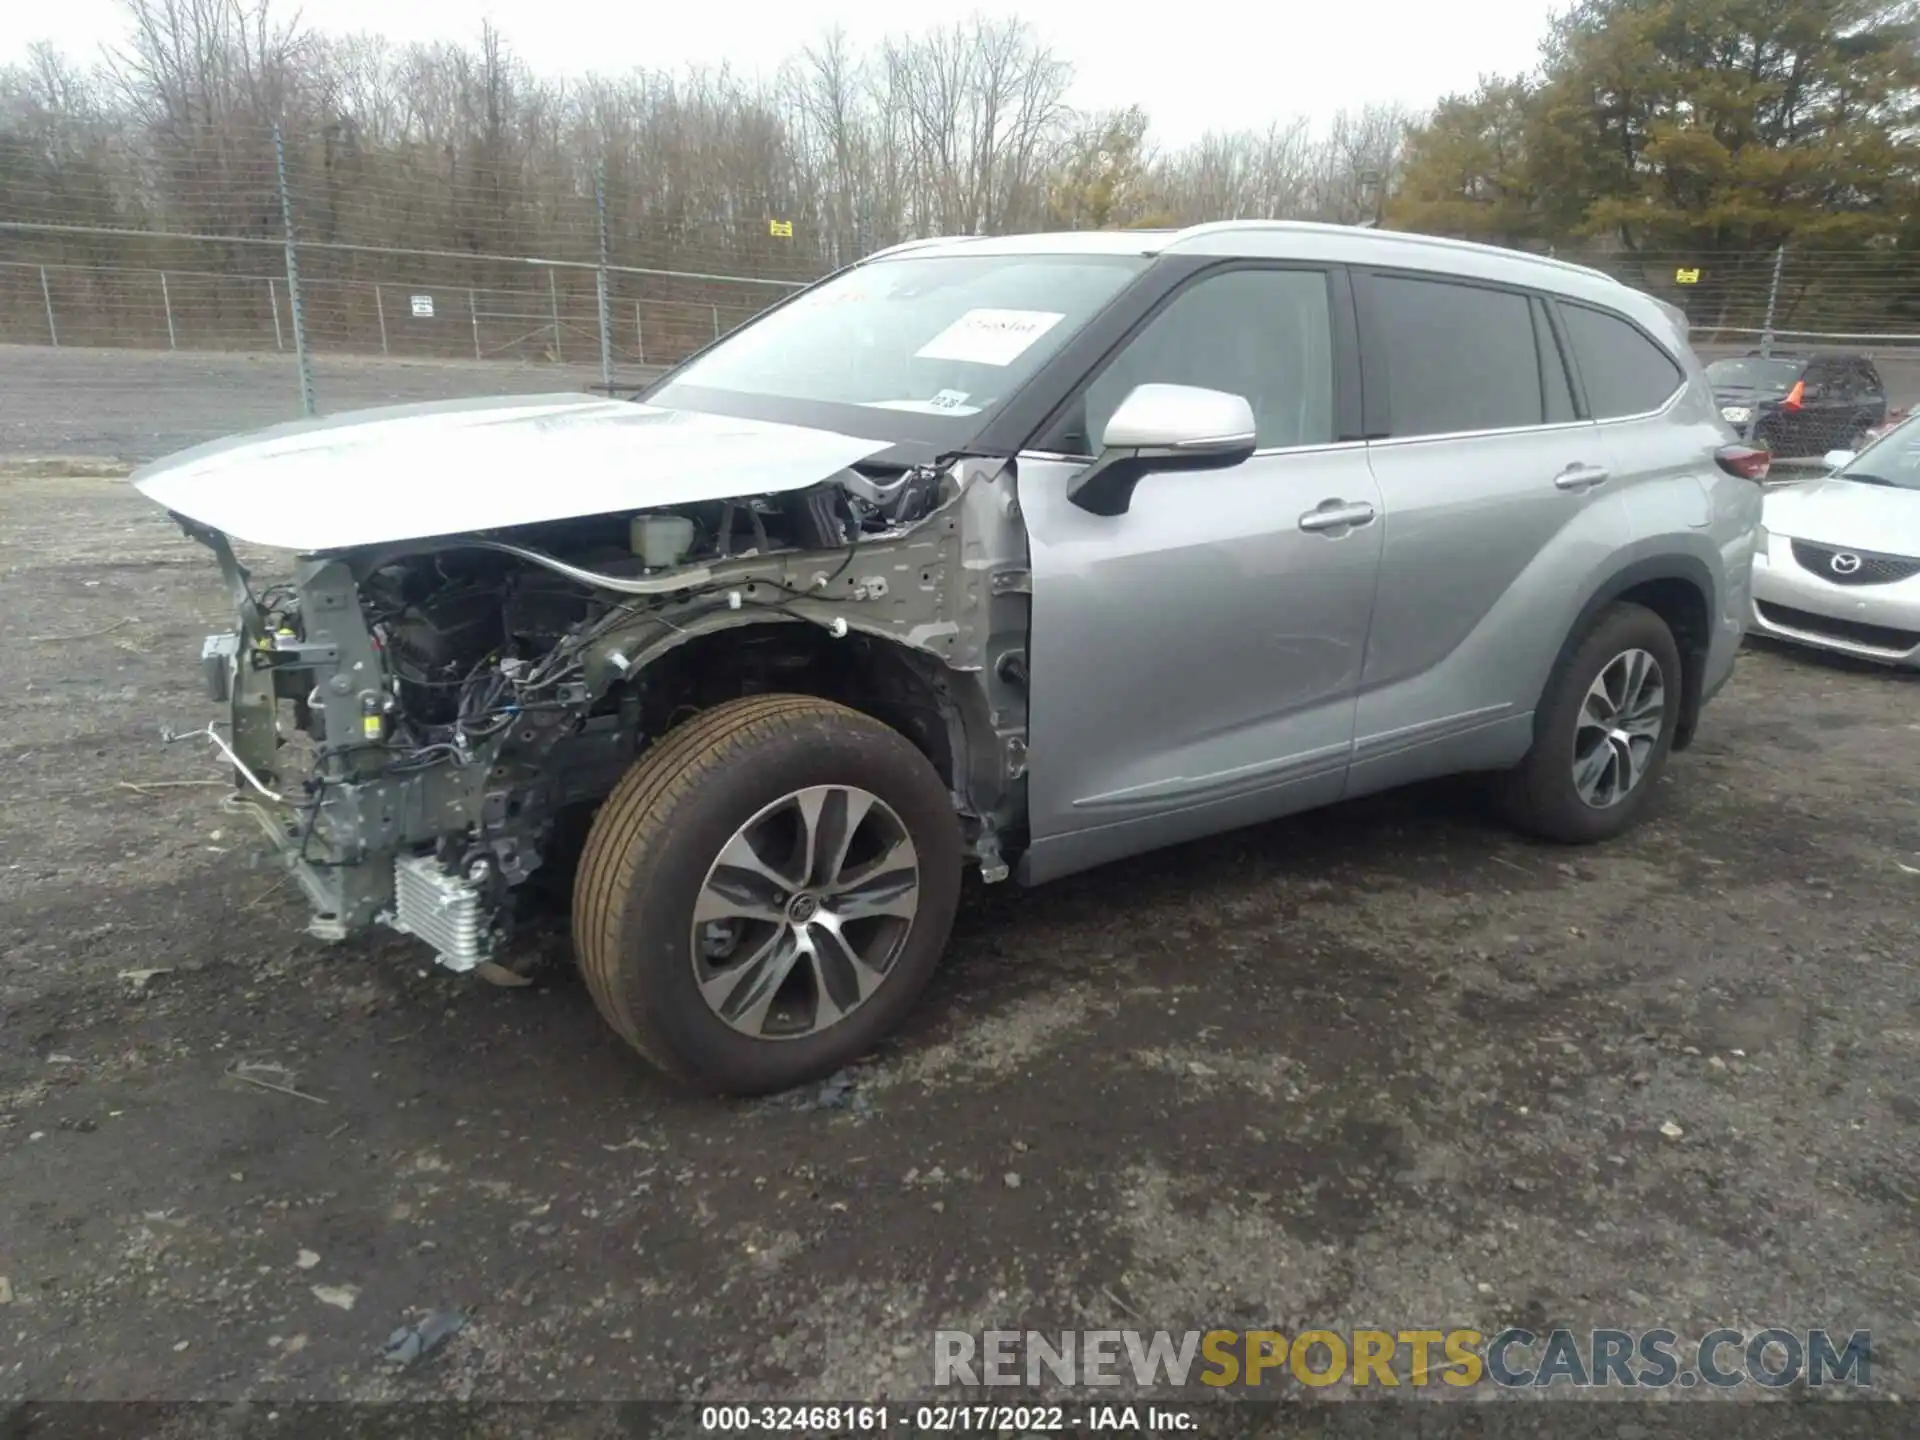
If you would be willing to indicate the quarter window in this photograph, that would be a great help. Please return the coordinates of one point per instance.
(1623, 371)
(1457, 357)
(1263, 334)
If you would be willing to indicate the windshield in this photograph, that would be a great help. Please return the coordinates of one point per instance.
(924, 346)
(1753, 374)
(1893, 460)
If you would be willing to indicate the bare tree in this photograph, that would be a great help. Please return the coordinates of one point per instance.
(457, 146)
(1246, 175)
(202, 82)
(836, 142)
(57, 141)
(984, 114)
(1359, 160)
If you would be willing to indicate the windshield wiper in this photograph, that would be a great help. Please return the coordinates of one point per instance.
(1864, 479)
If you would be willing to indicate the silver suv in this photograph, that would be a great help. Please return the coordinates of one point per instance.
(1027, 552)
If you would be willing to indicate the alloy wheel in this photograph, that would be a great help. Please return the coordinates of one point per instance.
(804, 911)
(1619, 728)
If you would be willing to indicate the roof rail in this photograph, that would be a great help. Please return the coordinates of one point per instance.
(1441, 242)
(921, 243)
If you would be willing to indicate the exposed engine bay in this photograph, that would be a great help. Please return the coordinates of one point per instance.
(422, 726)
(477, 637)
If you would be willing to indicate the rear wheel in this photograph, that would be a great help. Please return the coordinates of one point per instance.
(1603, 733)
(766, 892)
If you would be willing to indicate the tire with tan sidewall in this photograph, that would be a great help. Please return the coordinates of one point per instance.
(652, 842)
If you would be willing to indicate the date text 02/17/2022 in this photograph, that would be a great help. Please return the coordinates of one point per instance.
(943, 1419)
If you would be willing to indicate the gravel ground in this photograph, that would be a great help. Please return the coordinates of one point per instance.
(1386, 1065)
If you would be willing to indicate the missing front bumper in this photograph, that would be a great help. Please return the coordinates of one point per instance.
(447, 911)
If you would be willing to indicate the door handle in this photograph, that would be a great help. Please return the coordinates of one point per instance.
(1580, 477)
(1337, 515)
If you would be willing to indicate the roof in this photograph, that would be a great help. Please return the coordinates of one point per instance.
(1252, 238)
(1308, 240)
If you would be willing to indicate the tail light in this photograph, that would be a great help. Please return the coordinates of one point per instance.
(1796, 397)
(1744, 460)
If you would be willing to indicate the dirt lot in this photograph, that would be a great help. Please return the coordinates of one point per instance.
(1383, 1066)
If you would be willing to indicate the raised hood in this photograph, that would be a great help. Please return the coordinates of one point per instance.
(406, 472)
(1846, 513)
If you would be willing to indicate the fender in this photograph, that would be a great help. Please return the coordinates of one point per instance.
(1685, 569)
(981, 788)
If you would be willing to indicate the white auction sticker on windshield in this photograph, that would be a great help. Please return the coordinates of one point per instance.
(989, 337)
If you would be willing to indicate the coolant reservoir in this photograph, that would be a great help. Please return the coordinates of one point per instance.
(661, 540)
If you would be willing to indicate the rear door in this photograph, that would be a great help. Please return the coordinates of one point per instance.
(1629, 383)
(1484, 469)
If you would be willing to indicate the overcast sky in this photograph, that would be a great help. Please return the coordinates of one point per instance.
(1213, 66)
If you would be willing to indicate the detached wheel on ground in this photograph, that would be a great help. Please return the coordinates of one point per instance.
(766, 892)
(1603, 731)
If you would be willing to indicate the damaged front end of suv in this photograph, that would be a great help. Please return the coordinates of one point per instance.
(744, 658)
(421, 721)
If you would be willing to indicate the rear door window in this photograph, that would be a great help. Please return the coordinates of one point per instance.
(1457, 357)
(1623, 371)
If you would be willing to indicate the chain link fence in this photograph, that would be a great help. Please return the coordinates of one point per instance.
(431, 317)
(1801, 300)
(292, 290)
(1863, 297)
(557, 316)
(289, 288)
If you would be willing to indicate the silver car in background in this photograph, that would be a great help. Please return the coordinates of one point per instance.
(1026, 553)
(1839, 565)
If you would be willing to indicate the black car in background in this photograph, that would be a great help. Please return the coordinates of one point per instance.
(1798, 405)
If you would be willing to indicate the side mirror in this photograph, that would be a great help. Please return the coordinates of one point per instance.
(1163, 427)
(1834, 459)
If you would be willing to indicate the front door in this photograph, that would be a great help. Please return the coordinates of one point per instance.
(1195, 661)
